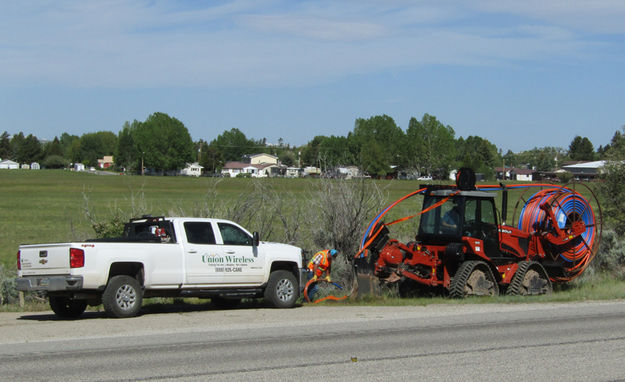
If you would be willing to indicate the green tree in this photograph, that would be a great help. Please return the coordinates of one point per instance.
(5, 146)
(28, 150)
(71, 147)
(163, 142)
(541, 159)
(55, 161)
(388, 139)
(616, 149)
(94, 146)
(53, 148)
(612, 189)
(478, 154)
(16, 143)
(431, 146)
(232, 145)
(287, 158)
(581, 149)
(310, 152)
(510, 159)
(374, 161)
(126, 152)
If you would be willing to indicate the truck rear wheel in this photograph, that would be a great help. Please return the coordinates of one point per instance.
(122, 297)
(67, 308)
(282, 290)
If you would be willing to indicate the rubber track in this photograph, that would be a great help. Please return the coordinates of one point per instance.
(515, 286)
(456, 287)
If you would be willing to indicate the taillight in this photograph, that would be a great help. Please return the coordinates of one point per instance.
(19, 261)
(76, 258)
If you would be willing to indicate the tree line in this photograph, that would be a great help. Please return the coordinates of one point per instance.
(377, 145)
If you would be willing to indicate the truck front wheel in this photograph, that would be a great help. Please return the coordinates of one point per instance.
(282, 290)
(122, 297)
(67, 308)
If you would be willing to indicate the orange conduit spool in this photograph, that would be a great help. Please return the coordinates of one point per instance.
(567, 207)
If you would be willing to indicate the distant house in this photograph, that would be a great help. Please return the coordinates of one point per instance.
(349, 172)
(522, 174)
(8, 164)
(79, 167)
(312, 171)
(25, 166)
(263, 159)
(512, 173)
(233, 169)
(585, 170)
(293, 172)
(35, 166)
(192, 169)
(266, 170)
(106, 162)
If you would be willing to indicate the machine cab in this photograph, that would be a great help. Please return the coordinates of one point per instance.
(451, 215)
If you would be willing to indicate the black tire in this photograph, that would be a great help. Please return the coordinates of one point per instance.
(224, 302)
(473, 278)
(530, 279)
(122, 297)
(64, 307)
(282, 289)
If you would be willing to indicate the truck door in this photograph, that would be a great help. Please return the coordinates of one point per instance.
(204, 261)
(244, 263)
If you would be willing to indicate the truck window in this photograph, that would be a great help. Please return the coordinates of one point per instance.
(199, 233)
(233, 235)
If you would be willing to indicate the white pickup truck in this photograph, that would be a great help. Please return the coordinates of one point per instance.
(162, 257)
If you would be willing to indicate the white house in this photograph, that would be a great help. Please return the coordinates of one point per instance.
(512, 173)
(192, 169)
(233, 169)
(79, 167)
(35, 166)
(522, 174)
(265, 170)
(8, 164)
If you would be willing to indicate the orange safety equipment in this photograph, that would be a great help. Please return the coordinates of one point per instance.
(321, 259)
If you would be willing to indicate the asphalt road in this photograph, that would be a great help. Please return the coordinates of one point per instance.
(537, 342)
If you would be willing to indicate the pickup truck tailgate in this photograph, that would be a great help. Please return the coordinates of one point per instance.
(45, 259)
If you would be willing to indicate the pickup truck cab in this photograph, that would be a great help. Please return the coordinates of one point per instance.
(162, 257)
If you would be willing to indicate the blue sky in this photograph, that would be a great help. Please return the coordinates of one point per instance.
(521, 74)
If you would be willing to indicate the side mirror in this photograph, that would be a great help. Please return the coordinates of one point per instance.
(255, 239)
